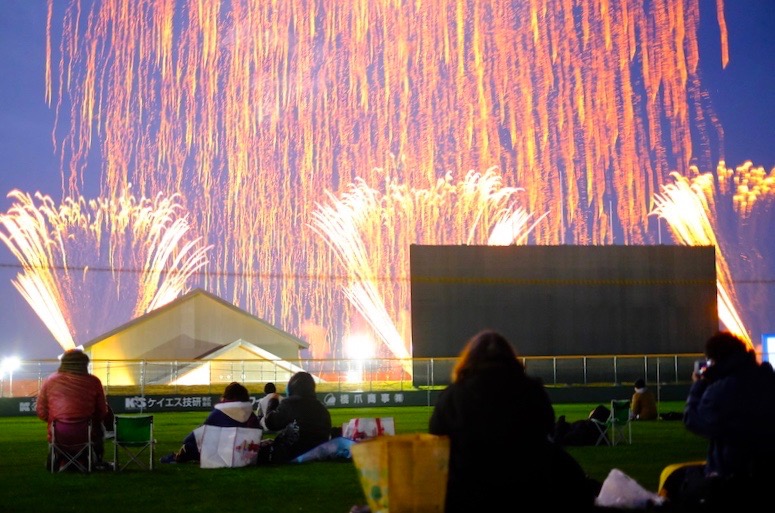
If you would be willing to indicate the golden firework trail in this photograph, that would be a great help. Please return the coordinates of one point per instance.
(256, 111)
(86, 264)
(692, 207)
(476, 210)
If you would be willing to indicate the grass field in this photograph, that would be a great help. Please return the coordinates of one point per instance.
(319, 487)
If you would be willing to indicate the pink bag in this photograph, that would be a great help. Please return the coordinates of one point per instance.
(366, 428)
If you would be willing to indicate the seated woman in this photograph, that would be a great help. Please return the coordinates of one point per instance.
(234, 410)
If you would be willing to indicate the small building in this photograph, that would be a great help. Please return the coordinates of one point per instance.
(198, 338)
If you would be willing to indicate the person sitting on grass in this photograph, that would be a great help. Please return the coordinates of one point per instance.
(270, 392)
(731, 403)
(234, 410)
(301, 420)
(643, 405)
(499, 421)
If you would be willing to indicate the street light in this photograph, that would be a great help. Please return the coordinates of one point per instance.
(10, 364)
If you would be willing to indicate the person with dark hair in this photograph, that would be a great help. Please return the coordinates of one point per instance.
(643, 405)
(72, 393)
(302, 421)
(731, 403)
(500, 422)
(270, 393)
(233, 410)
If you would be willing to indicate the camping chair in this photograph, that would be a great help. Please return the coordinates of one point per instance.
(612, 431)
(133, 436)
(71, 445)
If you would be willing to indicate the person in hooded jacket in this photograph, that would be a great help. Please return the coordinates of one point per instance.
(234, 410)
(301, 420)
(731, 403)
(500, 422)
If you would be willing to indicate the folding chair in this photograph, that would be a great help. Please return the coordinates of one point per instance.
(133, 437)
(71, 446)
(612, 431)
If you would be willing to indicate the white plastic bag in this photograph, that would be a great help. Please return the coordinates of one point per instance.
(621, 491)
(366, 428)
(221, 447)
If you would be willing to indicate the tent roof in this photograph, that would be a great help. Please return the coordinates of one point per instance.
(191, 296)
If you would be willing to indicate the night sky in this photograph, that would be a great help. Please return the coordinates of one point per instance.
(743, 96)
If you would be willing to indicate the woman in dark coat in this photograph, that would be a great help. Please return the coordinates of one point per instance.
(499, 421)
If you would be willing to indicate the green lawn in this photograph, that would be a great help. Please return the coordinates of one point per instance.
(324, 487)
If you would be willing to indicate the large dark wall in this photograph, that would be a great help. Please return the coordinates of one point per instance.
(564, 300)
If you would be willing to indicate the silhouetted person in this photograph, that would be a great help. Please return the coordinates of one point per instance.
(732, 404)
(499, 421)
(302, 421)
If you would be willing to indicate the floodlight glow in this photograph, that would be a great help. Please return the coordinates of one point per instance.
(10, 364)
(359, 347)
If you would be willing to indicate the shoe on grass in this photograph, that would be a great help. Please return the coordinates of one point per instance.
(168, 458)
(103, 466)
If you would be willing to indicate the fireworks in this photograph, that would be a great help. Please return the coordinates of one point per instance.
(141, 247)
(694, 212)
(274, 120)
(476, 210)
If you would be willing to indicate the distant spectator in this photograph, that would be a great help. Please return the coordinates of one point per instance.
(270, 392)
(643, 405)
(234, 410)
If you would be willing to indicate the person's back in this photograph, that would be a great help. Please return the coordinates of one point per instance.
(270, 393)
(643, 404)
(305, 422)
(233, 410)
(499, 421)
(72, 393)
(732, 404)
(68, 395)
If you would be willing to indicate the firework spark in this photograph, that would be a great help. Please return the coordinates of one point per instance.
(684, 208)
(66, 251)
(693, 208)
(256, 111)
(478, 208)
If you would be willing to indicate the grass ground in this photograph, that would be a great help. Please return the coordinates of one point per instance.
(320, 487)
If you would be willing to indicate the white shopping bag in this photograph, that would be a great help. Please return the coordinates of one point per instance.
(621, 491)
(221, 447)
(366, 428)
